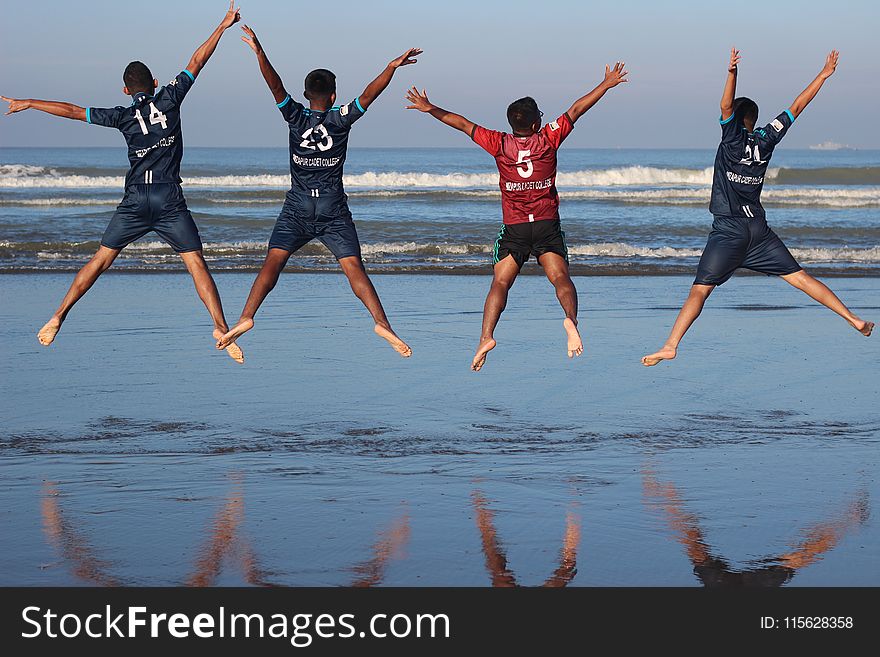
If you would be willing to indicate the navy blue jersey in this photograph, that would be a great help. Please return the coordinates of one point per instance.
(151, 127)
(741, 164)
(318, 145)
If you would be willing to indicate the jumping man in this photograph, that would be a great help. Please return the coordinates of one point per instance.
(526, 163)
(740, 236)
(153, 196)
(316, 205)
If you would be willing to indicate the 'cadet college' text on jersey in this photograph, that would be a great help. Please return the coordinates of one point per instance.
(741, 164)
(151, 127)
(318, 145)
(527, 168)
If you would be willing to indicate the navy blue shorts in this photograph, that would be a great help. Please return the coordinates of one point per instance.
(159, 207)
(743, 242)
(534, 238)
(326, 218)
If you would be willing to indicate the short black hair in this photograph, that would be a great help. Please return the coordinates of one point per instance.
(320, 83)
(522, 113)
(137, 77)
(745, 109)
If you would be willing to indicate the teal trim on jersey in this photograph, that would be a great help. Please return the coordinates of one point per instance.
(790, 115)
(497, 244)
(191, 76)
(283, 102)
(357, 101)
(336, 107)
(88, 114)
(727, 120)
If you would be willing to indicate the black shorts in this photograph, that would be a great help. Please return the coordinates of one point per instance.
(743, 242)
(327, 218)
(158, 207)
(534, 238)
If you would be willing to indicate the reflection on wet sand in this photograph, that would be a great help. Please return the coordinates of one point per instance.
(714, 571)
(72, 544)
(390, 545)
(224, 541)
(496, 558)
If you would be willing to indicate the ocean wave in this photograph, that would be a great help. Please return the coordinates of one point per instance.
(18, 176)
(252, 249)
(780, 196)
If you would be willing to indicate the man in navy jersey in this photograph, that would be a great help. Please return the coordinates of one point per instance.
(526, 163)
(153, 197)
(316, 206)
(740, 236)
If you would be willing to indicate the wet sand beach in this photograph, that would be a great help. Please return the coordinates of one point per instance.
(133, 453)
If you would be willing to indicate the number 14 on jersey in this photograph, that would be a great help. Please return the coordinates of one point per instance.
(155, 117)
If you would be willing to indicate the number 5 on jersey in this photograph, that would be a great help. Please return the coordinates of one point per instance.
(528, 168)
(155, 117)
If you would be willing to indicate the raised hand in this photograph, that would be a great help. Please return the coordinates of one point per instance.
(614, 76)
(734, 60)
(251, 39)
(232, 16)
(418, 101)
(15, 105)
(406, 58)
(830, 64)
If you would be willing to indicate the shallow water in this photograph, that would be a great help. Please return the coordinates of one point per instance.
(132, 453)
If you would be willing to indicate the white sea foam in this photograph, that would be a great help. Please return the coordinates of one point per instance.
(615, 250)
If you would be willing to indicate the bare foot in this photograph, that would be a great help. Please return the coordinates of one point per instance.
(243, 326)
(575, 345)
(666, 353)
(866, 329)
(483, 350)
(399, 345)
(47, 334)
(234, 351)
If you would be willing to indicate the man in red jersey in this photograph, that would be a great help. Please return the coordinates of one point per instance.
(526, 163)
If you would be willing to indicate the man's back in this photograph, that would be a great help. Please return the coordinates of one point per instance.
(151, 127)
(318, 145)
(527, 168)
(741, 165)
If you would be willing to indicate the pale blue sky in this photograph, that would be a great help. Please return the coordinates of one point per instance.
(478, 57)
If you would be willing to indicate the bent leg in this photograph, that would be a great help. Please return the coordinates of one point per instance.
(265, 282)
(556, 269)
(207, 291)
(362, 286)
(821, 293)
(506, 271)
(688, 314)
(83, 280)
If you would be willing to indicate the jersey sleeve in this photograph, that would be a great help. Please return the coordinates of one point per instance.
(290, 109)
(778, 127)
(176, 90)
(350, 113)
(488, 140)
(730, 128)
(556, 131)
(108, 117)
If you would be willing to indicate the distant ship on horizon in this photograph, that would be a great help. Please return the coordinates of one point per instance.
(831, 146)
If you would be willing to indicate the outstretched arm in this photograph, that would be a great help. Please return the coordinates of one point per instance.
(801, 102)
(65, 110)
(730, 85)
(378, 85)
(419, 101)
(276, 86)
(203, 53)
(613, 77)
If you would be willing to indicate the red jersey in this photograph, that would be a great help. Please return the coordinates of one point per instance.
(527, 166)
